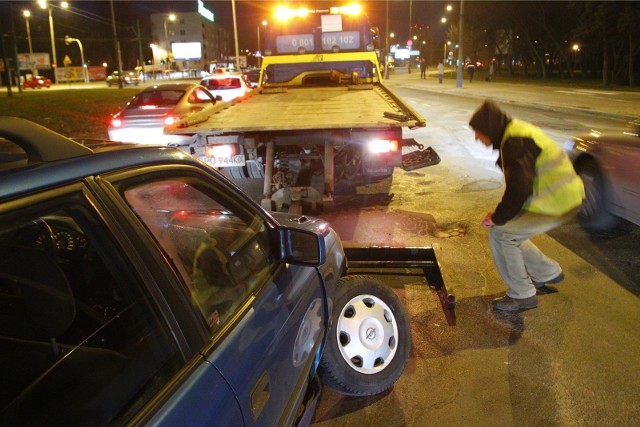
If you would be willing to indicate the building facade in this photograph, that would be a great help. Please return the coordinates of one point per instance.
(189, 28)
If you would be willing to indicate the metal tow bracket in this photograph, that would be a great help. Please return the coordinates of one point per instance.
(420, 158)
(417, 258)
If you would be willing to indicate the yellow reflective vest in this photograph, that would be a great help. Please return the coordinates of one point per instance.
(557, 188)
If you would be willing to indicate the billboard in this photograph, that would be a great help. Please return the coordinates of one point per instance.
(39, 61)
(186, 51)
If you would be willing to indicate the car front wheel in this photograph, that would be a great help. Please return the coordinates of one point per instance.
(369, 341)
(593, 212)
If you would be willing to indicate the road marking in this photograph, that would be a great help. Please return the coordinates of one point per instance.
(586, 92)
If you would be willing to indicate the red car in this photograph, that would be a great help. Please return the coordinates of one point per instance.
(37, 82)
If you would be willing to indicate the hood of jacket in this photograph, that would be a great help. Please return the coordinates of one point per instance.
(490, 120)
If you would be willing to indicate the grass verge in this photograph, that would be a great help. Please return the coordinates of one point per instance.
(74, 112)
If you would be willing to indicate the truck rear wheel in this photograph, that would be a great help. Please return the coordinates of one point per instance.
(369, 341)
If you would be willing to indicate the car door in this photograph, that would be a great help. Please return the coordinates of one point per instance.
(264, 317)
(84, 336)
(624, 157)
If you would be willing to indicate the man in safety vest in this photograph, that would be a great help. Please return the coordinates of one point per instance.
(542, 191)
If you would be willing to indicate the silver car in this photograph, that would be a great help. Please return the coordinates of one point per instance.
(609, 164)
(143, 119)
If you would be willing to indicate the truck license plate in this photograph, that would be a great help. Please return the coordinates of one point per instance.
(223, 162)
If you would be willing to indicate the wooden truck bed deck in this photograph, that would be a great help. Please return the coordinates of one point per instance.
(306, 108)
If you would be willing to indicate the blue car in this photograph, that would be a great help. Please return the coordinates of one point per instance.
(139, 286)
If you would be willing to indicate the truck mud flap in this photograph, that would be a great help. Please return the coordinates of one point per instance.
(420, 158)
(417, 261)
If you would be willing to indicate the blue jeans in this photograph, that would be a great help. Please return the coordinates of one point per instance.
(517, 259)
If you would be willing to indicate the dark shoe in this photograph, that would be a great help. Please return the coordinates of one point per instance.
(559, 278)
(506, 303)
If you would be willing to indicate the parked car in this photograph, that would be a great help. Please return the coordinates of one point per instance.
(139, 286)
(129, 78)
(227, 86)
(253, 76)
(143, 119)
(609, 164)
(37, 82)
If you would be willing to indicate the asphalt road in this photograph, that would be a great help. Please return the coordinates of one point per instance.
(573, 361)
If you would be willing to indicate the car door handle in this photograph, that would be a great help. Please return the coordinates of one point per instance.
(260, 395)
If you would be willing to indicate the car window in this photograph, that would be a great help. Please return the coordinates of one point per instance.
(157, 97)
(221, 248)
(80, 340)
(223, 83)
(201, 96)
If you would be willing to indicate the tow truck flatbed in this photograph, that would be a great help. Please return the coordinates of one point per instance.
(307, 108)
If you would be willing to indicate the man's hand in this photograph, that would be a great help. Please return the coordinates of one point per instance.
(487, 222)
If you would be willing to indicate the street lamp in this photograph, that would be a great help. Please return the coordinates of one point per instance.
(44, 5)
(171, 17)
(27, 14)
(68, 40)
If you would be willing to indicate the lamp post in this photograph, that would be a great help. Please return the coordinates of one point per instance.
(410, 24)
(171, 18)
(68, 40)
(27, 14)
(444, 57)
(264, 24)
(460, 54)
(576, 49)
(44, 5)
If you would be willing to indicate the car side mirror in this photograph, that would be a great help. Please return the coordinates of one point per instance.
(218, 97)
(302, 247)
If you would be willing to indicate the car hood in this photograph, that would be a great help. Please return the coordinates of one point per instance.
(625, 136)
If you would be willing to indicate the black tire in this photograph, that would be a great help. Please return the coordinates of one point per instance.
(593, 213)
(369, 341)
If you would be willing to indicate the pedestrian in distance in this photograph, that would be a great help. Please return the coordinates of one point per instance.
(491, 70)
(440, 72)
(542, 191)
(471, 69)
(423, 69)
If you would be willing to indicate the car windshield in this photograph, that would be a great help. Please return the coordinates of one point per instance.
(157, 97)
(226, 83)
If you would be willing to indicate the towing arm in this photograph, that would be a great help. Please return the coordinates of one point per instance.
(413, 261)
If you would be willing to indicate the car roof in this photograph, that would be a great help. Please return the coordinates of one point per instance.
(171, 86)
(53, 159)
(223, 76)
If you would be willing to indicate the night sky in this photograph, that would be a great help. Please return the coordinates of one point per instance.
(90, 21)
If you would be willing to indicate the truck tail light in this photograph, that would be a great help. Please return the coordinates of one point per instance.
(220, 151)
(383, 145)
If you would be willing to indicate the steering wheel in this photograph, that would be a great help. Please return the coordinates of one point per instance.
(39, 235)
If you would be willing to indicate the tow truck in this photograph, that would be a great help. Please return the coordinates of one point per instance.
(321, 110)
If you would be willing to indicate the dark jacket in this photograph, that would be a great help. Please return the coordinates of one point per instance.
(517, 160)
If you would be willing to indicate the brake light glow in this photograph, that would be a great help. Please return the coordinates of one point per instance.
(352, 9)
(221, 150)
(383, 145)
(169, 120)
(116, 122)
(283, 13)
